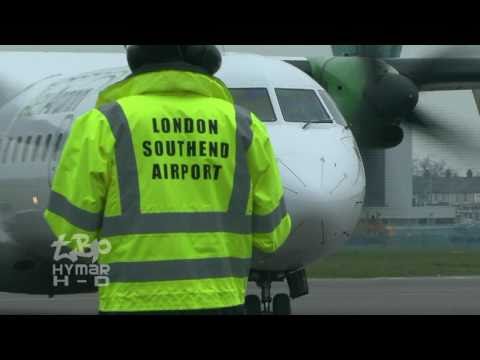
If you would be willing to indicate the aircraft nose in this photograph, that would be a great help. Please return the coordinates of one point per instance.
(324, 190)
(325, 175)
(323, 180)
(323, 214)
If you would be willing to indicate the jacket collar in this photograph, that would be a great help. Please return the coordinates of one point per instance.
(164, 79)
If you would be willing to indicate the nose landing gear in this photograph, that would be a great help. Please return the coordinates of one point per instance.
(280, 304)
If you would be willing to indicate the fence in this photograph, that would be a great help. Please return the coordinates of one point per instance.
(439, 236)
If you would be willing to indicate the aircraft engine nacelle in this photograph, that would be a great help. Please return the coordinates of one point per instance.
(384, 137)
(37, 242)
(372, 95)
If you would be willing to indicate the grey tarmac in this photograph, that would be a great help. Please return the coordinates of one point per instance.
(392, 296)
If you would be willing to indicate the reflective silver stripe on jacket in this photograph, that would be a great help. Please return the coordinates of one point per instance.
(241, 180)
(126, 163)
(193, 223)
(175, 270)
(58, 204)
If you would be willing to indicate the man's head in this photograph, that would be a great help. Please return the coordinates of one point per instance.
(205, 58)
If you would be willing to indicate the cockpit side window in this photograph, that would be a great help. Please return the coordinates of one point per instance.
(302, 105)
(257, 100)
(332, 107)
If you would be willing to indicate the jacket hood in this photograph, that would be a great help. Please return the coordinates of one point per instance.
(165, 81)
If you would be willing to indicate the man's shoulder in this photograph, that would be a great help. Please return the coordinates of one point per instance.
(258, 126)
(94, 120)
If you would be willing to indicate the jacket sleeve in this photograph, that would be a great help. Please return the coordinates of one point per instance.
(271, 221)
(77, 198)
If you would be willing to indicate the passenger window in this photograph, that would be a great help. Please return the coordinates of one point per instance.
(58, 143)
(302, 105)
(257, 100)
(47, 147)
(26, 148)
(17, 147)
(38, 141)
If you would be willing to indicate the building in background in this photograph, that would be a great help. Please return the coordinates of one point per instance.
(461, 193)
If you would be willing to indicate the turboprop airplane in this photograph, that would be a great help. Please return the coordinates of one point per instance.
(318, 157)
(315, 142)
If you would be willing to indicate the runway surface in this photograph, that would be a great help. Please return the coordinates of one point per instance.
(416, 296)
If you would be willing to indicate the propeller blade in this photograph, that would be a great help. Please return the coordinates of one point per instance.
(450, 68)
(437, 130)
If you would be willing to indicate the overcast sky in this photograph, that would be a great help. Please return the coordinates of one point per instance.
(457, 108)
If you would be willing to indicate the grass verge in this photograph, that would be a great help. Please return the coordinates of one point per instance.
(393, 262)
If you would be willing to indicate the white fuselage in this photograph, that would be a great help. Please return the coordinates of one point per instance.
(321, 167)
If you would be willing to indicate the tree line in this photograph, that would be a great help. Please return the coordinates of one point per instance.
(428, 167)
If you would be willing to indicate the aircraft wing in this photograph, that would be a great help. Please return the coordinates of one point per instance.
(16, 274)
(440, 73)
(24, 273)
(300, 63)
(476, 96)
(428, 74)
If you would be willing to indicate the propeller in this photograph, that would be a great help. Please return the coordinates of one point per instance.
(395, 96)
(438, 130)
(444, 66)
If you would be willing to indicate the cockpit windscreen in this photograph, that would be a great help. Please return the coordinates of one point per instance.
(302, 105)
(257, 101)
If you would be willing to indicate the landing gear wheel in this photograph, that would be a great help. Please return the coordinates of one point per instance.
(282, 305)
(253, 305)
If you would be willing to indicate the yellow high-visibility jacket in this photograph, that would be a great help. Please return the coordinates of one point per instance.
(181, 182)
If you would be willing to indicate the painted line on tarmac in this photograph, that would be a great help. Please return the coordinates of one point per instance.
(402, 278)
